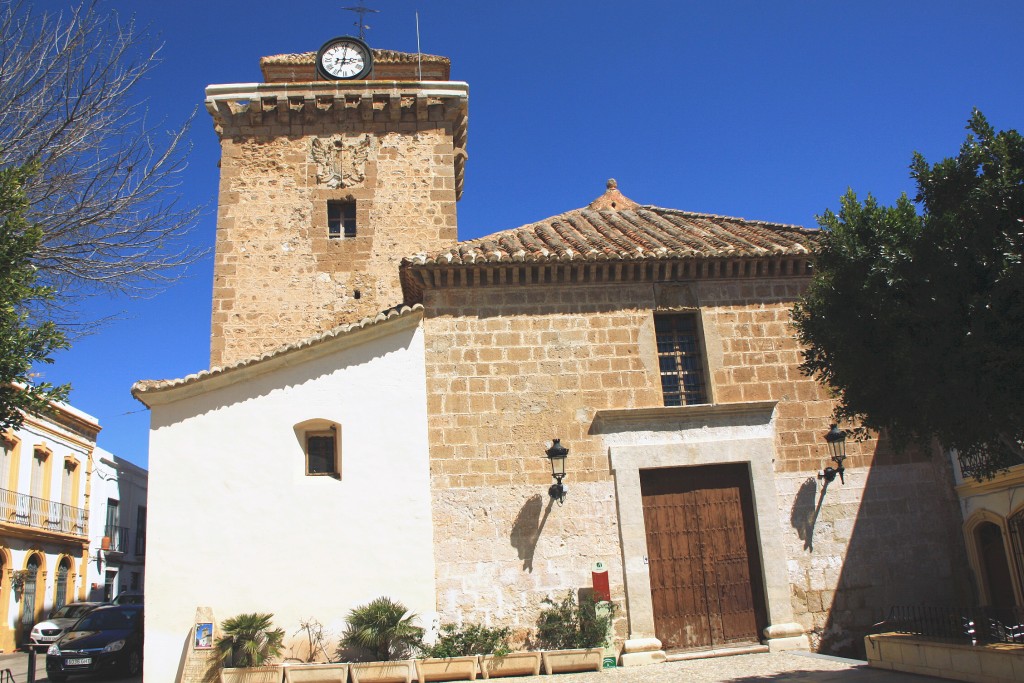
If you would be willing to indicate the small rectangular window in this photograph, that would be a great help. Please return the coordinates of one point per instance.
(341, 219)
(321, 453)
(679, 358)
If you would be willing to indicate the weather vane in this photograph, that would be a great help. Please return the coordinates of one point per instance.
(362, 11)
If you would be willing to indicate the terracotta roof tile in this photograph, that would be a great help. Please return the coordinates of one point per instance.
(144, 386)
(628, 232)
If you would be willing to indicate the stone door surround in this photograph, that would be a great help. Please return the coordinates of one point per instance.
(687, 436)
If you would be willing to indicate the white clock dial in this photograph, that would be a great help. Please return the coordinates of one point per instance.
(343, 61)
(344, 58)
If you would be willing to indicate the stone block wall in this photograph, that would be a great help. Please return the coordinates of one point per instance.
(278, 278)
(510, 368)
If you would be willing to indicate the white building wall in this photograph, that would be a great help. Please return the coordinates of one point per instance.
(229, 486)
(115, 478)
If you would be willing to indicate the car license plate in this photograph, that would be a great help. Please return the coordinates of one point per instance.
(80, 661)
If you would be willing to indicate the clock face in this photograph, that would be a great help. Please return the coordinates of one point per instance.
(344, 58)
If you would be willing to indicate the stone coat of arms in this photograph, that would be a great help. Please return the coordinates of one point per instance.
(340, 161)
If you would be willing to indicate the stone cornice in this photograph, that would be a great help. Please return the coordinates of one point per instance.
(266, 108)
(84, 429)
(614, 420)
(1012, 478)
(418, 277)
(11, 530)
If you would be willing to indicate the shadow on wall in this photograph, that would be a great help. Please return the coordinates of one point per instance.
(905, 545)
(805, 512)
(527, 527)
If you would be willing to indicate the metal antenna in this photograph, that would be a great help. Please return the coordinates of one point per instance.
(361, 10)
(419, 53)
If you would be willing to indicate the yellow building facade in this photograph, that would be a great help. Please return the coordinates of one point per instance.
(44, 520)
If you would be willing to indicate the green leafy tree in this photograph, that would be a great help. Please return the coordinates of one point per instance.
(915, 315)
(24, 339)
(249, 640)
(383, 628)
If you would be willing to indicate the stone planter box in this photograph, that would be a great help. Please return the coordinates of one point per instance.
(447, 669)
(564, 661)
(316, 673)
(512, 664)
(997, 663)
(383, 672)
(251, 674)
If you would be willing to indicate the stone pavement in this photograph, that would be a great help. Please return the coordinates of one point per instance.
(754, 668)
(779, 666)
(17, 662)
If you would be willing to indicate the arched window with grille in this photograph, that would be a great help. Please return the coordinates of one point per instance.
(60, 597)
(28, 594)
(1015, 525)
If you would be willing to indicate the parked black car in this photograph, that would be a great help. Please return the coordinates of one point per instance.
(108, 638)
(128, 599)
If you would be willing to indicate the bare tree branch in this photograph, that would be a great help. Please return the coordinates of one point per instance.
(105, 195)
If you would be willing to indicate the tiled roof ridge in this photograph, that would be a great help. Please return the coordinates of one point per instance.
(401, 310)
(735, 219)
(645, 207)
(646, 231)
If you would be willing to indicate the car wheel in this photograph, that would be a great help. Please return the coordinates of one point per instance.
(133, 663)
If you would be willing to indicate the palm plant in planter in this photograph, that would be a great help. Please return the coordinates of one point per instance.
(249, 640)
(383, 628)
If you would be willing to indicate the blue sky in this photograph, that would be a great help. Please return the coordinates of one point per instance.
(765, 110)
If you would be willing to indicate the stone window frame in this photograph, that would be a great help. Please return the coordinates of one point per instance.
(12, 445)
(348, 227)
(701, 349)
(320, 427)
(44, 454)
(974, 558)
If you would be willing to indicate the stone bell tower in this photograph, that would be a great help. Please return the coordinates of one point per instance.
(325, 186)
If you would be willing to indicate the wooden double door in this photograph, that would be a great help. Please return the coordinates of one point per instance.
(706, 582)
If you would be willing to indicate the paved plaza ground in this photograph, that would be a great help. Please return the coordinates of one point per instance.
(782, 666)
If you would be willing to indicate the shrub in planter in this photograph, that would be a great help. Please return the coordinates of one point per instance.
(249, 640)
(566, 625)
(383, 629)
(471, 639)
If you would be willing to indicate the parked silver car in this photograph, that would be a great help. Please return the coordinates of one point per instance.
(46, 632)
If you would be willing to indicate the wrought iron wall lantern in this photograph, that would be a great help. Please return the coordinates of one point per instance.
(836, 439)
(557, 454)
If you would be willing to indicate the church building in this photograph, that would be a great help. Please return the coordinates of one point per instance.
(382, 398)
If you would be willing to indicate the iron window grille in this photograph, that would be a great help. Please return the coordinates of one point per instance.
(679, 359)
(976, 464)
(321, 453)
(1015, 525)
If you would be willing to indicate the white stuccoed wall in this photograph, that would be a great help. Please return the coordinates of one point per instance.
(227, 482)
